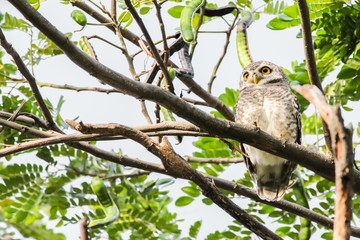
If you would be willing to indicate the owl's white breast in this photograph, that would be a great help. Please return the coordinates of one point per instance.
(272, 111)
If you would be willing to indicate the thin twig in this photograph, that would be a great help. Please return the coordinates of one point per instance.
(310, 59)
(69, 87)
(163, 32)
(195, 102)
(145, 112)
(227, 41)
(128, 57)
(128, 175)
(149, 40)
(214, 160)
(15, 114)
(106, 41)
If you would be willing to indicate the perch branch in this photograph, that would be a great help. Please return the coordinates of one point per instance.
(175, 165)
(227, 185)
(315, 161)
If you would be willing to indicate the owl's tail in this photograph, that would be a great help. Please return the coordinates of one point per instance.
(273, 182)
(271, 191)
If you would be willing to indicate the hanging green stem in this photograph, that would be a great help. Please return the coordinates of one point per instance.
(299, 192)
(241, 39)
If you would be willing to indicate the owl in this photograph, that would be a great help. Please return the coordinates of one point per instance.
(266, 102)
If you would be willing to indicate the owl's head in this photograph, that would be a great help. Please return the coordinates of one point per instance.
(263, 73)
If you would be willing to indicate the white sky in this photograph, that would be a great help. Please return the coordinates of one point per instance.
(91, 107)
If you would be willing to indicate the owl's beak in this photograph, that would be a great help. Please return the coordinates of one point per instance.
(255, 79)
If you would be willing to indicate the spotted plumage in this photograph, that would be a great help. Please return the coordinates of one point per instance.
(266, 102)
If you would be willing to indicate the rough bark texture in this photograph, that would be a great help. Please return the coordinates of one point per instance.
(344, 158)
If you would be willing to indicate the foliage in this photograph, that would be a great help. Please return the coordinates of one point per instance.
(52, 185)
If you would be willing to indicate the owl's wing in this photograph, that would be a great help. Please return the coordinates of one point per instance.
(289, 166)
(298, 119)
(249, 165)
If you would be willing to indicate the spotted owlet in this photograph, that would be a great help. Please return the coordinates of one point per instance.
(266, 102)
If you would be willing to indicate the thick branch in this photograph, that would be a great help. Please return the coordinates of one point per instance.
(317, 162)
(175, 165)
(344, 158)
(190, 83)
(310, 59)
(227, 185)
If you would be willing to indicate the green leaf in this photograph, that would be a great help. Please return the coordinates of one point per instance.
(79, 17)
(144, 10)
(175, 11)
(229, 234)
(210, 171)
(327, 235)
(207, 201)
(20, 216)
(191, 191)
(183, 201)
(282, 231)
(194, 229)
(234, 228)
(346, 72)
(45, 154)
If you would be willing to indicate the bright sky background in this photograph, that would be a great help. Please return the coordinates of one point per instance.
(91, 107)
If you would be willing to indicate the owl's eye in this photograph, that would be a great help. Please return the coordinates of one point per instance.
(246, 76)
(265, 70)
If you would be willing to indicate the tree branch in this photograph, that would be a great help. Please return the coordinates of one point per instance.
(190, 83)
(213, 160)
(151, 44)
(227, 185)
(310, 59)
(174, 164)
(344, 158)
(227, 41)
(31, 80)
(317, 162)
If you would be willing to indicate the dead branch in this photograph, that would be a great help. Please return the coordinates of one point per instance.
(341, 140)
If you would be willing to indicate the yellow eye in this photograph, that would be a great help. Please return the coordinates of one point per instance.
(265, 70)
(246, 76)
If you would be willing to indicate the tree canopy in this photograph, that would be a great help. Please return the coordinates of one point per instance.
(59, 169)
